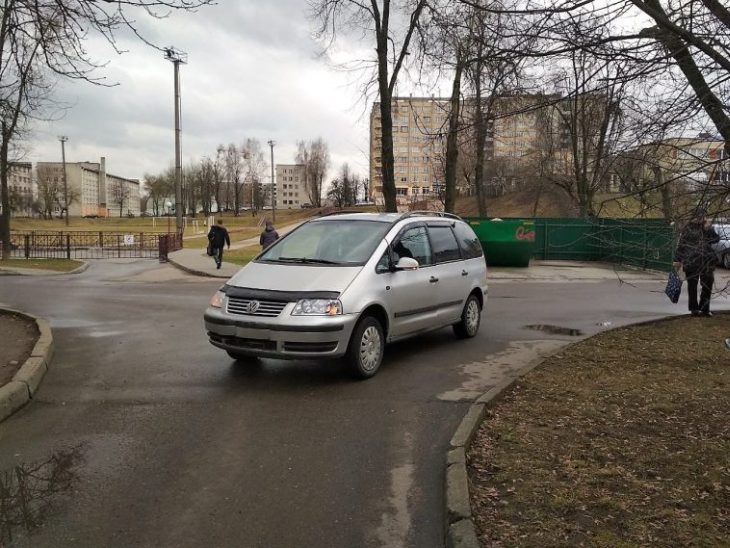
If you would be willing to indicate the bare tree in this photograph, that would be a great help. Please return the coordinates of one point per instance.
(119, 193)
(254, 171)
(392, 43)
(49, 190)
(219, 170)
(158, 188)
(315, 158)
(39, 38)
(234, 173)
(343, 189)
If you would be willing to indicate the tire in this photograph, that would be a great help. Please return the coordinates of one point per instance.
(366, 348)
(471, 319)
(726, 260)
(240, 357)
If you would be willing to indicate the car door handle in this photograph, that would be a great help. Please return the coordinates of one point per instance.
(433, 280)
(464, 273)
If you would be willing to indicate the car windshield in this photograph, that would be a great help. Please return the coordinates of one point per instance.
(343, 242)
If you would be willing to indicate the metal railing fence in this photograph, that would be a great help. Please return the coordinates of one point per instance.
(93, 245)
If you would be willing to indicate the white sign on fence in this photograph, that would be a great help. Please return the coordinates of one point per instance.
(129, 239)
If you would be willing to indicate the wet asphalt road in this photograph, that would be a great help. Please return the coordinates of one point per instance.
(143, 434)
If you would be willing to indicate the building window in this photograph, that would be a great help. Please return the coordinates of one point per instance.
(400, 191)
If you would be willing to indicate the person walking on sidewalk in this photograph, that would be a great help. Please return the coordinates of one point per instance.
(268, 236)
(218, 236)
(698, 260)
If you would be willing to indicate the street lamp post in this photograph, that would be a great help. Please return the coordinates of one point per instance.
(177, 57)
(273, 184)
(63, 140)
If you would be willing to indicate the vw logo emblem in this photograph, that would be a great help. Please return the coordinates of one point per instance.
(253, 306)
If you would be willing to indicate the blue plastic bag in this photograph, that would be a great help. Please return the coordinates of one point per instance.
(674, 286)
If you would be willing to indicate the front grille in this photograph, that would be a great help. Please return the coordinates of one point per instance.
(253, 307)
(310, 346)
(243, 343)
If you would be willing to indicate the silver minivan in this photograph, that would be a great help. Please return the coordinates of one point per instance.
(343, 285)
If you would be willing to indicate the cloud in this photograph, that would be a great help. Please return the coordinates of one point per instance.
(253, 71)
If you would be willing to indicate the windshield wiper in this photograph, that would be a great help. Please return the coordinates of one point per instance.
(305, 260)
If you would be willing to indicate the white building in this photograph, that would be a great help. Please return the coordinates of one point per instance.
(291, 191)
(93, 191)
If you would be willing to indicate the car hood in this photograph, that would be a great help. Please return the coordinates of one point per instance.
(278, 277)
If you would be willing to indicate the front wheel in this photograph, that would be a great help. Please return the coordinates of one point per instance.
(471, 318)
(367, 345)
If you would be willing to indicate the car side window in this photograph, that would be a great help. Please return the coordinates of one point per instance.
(413, 243)
(468, 241)
(444, 244)
(383, 264)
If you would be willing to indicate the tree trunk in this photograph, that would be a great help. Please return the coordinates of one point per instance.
(5, 201)
(666, 195)
(388, 161)
(680, 52)
(452, 144)
(480, 129)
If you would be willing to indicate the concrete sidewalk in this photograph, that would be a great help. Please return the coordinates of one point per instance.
(195, 261)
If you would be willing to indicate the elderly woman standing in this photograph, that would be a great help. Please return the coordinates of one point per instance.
(698, 260)
(268, 236)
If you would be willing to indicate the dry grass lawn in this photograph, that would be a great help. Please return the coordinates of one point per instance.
(620, 440)
(57, 265)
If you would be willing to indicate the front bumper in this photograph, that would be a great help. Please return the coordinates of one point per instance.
(282, 337)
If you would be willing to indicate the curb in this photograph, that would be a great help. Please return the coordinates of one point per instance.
(195, 272)
(460, 528)
(24, 384)
(78, 270)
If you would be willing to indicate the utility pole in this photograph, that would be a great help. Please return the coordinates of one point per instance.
(177, 57)
(273, 184)
(63, 140)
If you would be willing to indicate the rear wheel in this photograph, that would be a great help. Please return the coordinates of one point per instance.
(367, 345)
(471, 318)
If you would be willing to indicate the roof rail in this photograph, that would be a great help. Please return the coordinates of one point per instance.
(341, 212)
(432, 213)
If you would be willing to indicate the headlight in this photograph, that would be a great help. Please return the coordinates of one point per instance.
(217, 300)
(317, 307)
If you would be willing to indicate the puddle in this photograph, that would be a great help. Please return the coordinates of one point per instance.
(556, 329)
(27, 492)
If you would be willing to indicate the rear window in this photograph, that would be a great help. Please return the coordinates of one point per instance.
(468, 241)
(444, 244)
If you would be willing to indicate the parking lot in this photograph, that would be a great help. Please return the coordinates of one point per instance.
(164, 440)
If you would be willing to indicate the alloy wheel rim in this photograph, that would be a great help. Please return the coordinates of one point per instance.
(472, 317)
(370, 348)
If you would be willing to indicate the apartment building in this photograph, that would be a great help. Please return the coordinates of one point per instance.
(92, 191)
(689, 162)
(519, 129)
(20, 187)
(291, 191)
(419, 129)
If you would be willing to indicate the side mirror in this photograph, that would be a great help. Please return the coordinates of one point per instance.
(407, 263)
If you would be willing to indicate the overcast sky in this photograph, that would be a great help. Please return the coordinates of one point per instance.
(253, 71)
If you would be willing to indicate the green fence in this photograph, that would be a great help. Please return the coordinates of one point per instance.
(646, 243)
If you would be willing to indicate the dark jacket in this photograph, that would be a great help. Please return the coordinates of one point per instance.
(218, 235)
(268, 236)
(694, 250)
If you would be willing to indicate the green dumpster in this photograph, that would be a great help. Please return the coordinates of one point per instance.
(505, 242)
